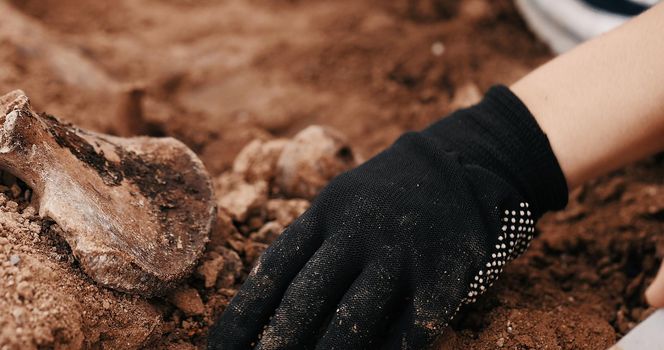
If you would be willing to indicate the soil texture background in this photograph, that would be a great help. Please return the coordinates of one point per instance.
(241, 82)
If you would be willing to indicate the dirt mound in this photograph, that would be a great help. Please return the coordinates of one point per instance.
(47, 301)
(219, 75)
(570, 290)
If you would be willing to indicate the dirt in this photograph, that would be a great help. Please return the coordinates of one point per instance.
(218, 75)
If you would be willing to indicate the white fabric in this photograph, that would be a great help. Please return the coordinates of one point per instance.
(646, 2)
(563, 24)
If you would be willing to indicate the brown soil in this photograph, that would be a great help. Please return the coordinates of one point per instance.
(220, 74)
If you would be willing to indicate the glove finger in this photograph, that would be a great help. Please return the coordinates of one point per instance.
(426, 316)
(249, 311)
(363, 310)
(433, 309)
(413, 332)
(310, 299)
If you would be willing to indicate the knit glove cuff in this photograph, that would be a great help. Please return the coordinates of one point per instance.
(501, 135)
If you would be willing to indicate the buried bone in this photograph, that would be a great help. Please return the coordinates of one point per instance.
(136, 211)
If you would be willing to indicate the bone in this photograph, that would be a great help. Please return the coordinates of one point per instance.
(136, 212)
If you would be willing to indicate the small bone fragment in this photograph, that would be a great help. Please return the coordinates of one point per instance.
(136, 211)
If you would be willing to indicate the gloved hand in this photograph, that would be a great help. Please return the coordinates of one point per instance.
(389, 251)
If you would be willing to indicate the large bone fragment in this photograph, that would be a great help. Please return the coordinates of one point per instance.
(135, 211)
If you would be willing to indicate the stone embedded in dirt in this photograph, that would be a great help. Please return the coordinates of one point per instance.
(500, 342)
(284, 211)
(136, 212)
(213, 263)
(188, 300)
(238, 197)
(311, 159)
(222, 230)
(465, 96)
(475, 10)
(268, 233)
(258, 160)
(232, 268)
(252, 250)
(237, 242)
(14, 260)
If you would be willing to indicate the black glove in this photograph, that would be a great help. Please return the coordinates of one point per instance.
(389, 251)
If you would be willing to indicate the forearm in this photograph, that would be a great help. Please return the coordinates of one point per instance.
(602, 104)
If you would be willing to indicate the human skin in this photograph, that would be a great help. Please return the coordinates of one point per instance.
(602, 104)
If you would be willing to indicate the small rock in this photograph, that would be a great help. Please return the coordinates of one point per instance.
(622, 321)
(437, 48)
(16, 191)
(284, 211)
(475, 10)
(188, 300)
(24, 289)
(376, 20)
(12, 206)
(253, 250)
(105, 304)
(232, 268)
(18, 313)
(237, 242)
(268, 233)
(258, 160)
(255, 222)
(500, 342)
(466, 96)
(14, 259)
(238, 197)
(222, 230)
(213, 263)
(311, 159)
